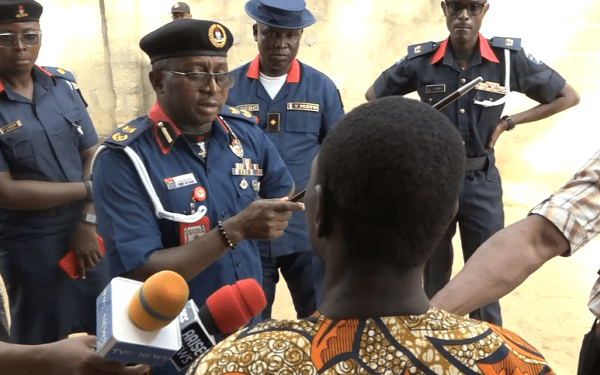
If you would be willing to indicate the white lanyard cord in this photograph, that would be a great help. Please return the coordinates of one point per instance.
(159, 211)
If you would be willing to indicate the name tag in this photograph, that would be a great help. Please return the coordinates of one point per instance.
(10, 127)
(249, 107)
(297, 106)
(180, 181)
(435, 89)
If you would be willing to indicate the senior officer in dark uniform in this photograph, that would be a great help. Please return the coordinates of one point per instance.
(435, 70)
(296, 105)
(179, 189)
(47, 141)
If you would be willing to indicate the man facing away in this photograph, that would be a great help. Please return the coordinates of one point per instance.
(435, 70)
(377, 203)
(296, 106)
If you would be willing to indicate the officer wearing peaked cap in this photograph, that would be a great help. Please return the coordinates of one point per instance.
(187, 200)
(435, 70)
(47, 141)
(296, 106)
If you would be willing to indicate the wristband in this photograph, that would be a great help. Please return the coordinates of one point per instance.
(511, 123)
(88, 189)
(225, 238)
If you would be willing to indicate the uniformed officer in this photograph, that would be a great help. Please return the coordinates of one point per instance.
(47, 141)
(179, 189)
(296, 105)
(180, 10)
(435, 70)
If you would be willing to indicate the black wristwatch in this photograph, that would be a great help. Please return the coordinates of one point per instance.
(88, 218)
(511, 123)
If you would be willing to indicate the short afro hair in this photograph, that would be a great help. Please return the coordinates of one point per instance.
(392, 170)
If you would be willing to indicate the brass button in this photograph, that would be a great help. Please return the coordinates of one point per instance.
(462, 111)
(462, 80)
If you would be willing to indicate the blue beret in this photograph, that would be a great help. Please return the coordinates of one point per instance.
(187, 37)
(290, 14)
(20, 11)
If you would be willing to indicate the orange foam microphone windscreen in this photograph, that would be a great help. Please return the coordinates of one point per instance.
(159, 300)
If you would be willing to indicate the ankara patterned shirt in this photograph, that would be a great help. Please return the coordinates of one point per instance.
(436, 342)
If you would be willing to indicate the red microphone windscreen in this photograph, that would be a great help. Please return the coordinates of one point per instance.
(232, 306)
(159, 300)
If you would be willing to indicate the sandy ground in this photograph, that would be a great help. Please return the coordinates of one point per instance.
(549, 310)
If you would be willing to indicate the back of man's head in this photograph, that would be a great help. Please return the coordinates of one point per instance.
(391, 171)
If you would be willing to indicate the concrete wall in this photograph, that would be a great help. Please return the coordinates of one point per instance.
(352, 41)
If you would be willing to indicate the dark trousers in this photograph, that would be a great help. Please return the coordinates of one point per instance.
(297, 270)
(480, 215)
(589, 356)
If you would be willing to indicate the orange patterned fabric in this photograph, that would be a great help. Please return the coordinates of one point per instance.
(436, 342)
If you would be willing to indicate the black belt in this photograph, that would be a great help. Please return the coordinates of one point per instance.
(476, 164)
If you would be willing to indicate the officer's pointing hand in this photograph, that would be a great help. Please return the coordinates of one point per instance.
(263, 219)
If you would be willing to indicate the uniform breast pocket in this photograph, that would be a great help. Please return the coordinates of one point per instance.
(18, 150)
(303, 122)
(247, 188)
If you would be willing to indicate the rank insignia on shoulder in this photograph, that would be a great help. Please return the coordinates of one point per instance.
(119, 137)
(246, 113)
(234, 110)
(421, 49)
(61, 70)
(508, 43)
(128, 129)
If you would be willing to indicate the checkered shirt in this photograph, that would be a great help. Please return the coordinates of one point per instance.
(575, 210)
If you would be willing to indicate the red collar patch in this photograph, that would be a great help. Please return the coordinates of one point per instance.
(484, 49)
(165, 131)
(293, 75)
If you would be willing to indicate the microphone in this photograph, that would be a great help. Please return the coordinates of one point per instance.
(136, 321)
(227, 310)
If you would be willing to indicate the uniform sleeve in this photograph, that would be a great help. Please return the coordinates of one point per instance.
(574, 207)
(333, 111)
(277, 180)
(126, 218)
(534, 78)
(89, 137)
(395, 80)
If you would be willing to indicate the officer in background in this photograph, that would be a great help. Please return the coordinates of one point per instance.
(47, 141)
(180, 10)
(435, 70)
(179, 189)
(296, 106)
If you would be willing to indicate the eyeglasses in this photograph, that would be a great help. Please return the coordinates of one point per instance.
(198, 80)
(28, 38)
(456, 7)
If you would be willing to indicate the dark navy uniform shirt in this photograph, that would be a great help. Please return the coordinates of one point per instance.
(39, 139)
(431, 70)
(126, 218)
(296, 120)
